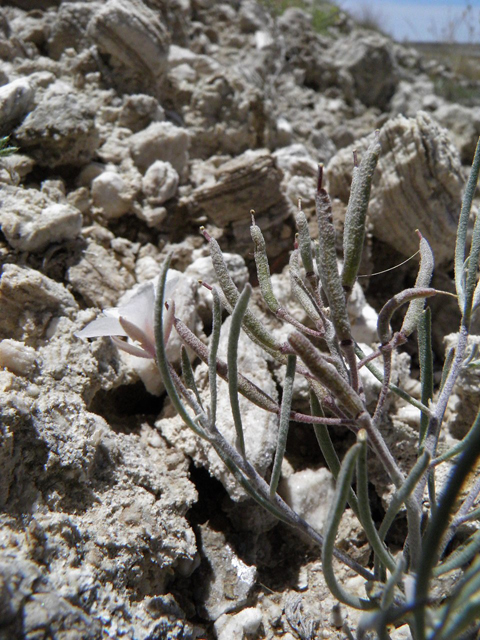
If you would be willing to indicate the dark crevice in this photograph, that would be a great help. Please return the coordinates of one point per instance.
(125, 407)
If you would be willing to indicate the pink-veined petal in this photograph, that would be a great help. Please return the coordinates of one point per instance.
(130, 348)
(137, 335)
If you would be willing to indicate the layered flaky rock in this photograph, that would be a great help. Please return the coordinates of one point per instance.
(230, 190)
(132, 34)
(417, 185)
(370, 61)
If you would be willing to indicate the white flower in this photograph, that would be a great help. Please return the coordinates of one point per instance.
(134, 320)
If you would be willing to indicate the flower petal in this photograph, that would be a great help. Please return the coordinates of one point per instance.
(172, 281)
(103, 326)
(130, 348)
(140, 310)
(137, 335)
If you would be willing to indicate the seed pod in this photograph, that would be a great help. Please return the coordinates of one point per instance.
(354, 232)
(327, 375)
(425, 271)
(304, 241)
(263, 270)
(327, 257)
(253, 326)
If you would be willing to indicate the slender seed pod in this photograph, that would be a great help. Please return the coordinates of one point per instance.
(246, 388)
(327, 256)
(254, 327)
(328, 450)
(424, 277)
(461, 243)
(365, 514)
(304, 241)
(305, 300)
(331, 282)
(302, 295)
(425, 358)
(332, 522)
(327, 374)
(354, 232)
(263, 270)
(402, 494)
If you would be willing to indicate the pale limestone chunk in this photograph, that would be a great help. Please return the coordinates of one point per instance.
(160, 141)
(31, 221)
(16, 100)
(111, 195)
(160, 182)
(17, 357)
(309, 493)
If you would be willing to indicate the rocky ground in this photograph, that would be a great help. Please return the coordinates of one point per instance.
(137, 121)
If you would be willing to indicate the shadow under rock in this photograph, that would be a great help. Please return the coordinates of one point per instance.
(125, 407)
(256, 537)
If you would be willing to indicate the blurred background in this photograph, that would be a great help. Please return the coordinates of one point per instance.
(421, 20)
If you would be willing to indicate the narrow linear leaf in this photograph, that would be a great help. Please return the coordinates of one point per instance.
(438, 525)
(283, 424)
(365, 515)
(460, 557)
(464, 444)
(402, 494)
(212, 354)
(335, 513)
(328, 450)
(463, 607)
(392, 582)
(232, 361)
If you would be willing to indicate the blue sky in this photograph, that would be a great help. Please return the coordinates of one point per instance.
(423, 20)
